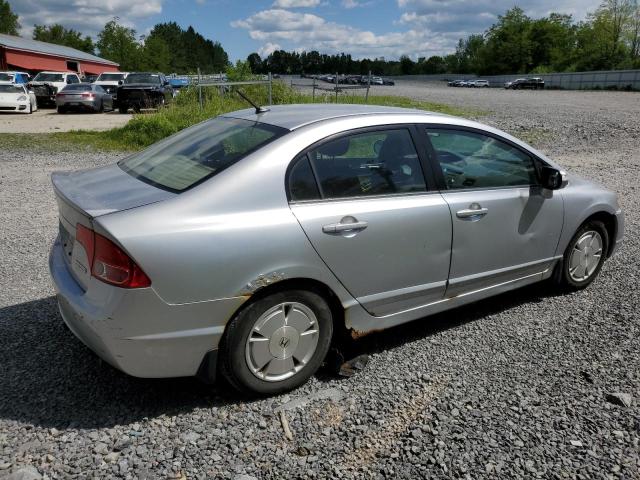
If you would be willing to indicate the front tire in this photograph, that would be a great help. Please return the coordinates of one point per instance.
(123, 109)
(584, 256)
(277, 343)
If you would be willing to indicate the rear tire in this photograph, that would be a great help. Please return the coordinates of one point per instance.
(122, 109)
(62, 110)
(276, 343)
(584, 257)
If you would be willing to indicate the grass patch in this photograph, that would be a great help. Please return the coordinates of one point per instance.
(147, 128)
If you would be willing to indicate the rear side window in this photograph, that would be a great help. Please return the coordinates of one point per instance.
(198, 153)
(472, 160)
(302, 182)
(372, 163)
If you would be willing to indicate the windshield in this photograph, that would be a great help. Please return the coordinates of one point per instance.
(11, 89)
(110, 77)
(49, 77)
(142, 78)
(198, 153)
(6, 77)
(78, 87)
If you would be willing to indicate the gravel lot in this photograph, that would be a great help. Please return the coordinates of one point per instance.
(48, 120)
(515, 386)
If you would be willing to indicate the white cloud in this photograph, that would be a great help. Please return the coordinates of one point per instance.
(87, 16)
(295, 3)
(352, 3)
(268, 48)
(305, 31)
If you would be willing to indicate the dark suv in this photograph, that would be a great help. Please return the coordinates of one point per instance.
(521, 83)
(144, 90)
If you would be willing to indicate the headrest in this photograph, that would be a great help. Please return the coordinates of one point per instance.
(335, 148)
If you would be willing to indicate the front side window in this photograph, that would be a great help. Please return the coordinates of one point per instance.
(373, 163)
(198, 153)
(472, 160)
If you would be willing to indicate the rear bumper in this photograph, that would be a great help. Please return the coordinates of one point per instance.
(79, 104)
(134, 330)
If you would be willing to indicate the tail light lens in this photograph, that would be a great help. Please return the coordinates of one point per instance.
(108, 263)
(88, 95)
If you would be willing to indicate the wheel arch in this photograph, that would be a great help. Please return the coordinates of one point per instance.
(301, 283)
(610, 223)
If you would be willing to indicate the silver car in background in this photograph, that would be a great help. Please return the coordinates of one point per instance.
(242, 245)
(83, 96)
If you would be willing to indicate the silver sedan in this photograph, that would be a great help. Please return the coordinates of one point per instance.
(83, 96)
(244, 244)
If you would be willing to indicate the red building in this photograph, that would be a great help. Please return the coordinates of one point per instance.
(23, 54)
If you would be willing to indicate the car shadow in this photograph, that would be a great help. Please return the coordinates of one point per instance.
(50, 379)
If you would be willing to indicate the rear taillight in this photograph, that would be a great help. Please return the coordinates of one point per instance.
(88, 95)
(108, 262)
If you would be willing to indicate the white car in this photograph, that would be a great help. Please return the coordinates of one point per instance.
(110, 81)
(47, 84)
(14, 77)
(15, 98)
(480, 83)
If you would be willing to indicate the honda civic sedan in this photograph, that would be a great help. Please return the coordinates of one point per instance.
(244, 244)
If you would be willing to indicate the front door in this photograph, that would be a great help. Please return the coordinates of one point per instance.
(362, 200)
(505, 227)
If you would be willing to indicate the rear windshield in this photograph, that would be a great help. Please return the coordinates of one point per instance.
(49, 77)
(11, 89)
(198, 153)
(86, 87)
(142, 78)
(110, 77)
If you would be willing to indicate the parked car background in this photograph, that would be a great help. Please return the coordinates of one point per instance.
(534, 83)
(110, 81)
(144, 90)
(15, 77)
(15, 97)
(83, 96)
(46, 85)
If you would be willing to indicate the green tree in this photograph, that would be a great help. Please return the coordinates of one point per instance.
(8, 20)
(155, 55)
(406, 65)
(255, 63)
(508, 44)
(118, 44)
(60, 35)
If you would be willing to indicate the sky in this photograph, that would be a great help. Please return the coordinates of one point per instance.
(363, 28)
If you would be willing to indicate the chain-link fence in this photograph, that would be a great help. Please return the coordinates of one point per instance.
(601, 80)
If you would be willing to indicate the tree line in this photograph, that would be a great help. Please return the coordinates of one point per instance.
(167, 48)
(607, 39)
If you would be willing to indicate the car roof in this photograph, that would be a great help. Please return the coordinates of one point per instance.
(292, 117)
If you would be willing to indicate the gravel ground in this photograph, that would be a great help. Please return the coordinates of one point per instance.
(48, 120)
(513, 387)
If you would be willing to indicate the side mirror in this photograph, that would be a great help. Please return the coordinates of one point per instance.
(552, 178)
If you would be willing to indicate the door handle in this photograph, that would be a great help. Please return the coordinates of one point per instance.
(344, 227)
(472, 212)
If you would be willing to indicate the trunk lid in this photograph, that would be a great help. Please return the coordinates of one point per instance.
(84, 195)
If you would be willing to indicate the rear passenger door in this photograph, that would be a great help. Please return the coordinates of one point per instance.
(505, 225)
(362, 200)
